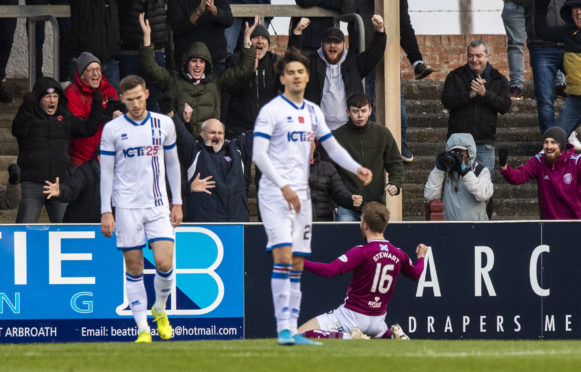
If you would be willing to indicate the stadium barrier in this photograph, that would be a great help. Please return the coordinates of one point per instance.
(496, 280)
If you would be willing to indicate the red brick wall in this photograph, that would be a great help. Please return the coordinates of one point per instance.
(446, 52)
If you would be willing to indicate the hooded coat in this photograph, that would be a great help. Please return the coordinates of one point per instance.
(559, 183)
(204, 97)
(43, 140)
(464, 197)
(567, 34)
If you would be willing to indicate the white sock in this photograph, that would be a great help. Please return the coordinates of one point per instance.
(416, 63)
(162, 283)
(137, 300)
(295, 299)
(281, 288)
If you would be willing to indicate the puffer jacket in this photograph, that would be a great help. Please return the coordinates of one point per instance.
(569, 35)
(131, 34)
(82, 193)
(95, 28)
(553, 19)
(326, 188)
(43, 140)
(464, 197)
(80, 97)
(203, 97)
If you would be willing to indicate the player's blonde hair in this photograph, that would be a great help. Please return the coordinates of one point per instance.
(376, 216)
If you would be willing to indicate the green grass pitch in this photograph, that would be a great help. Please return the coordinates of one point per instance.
(265, 355)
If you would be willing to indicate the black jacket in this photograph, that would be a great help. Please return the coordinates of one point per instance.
(251, 94)
(312, 34)
(95, 28)
(131, 34)
(355, 67)
(228, 201)
(208, 29)
(553, 19)
(43, 140)
(82, 192)
(479, 115)
(326, 187)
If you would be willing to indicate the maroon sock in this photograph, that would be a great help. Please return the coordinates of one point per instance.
(318, 333)
(387, 334)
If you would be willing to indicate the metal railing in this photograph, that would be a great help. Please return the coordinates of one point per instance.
(49, 13)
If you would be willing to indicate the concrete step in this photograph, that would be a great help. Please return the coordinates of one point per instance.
(415, 106)
(440, 120)
(517, 208)
(528, 148)
(502, 190)
(510, 134)
(430, 89)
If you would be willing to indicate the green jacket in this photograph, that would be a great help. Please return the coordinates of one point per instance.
(373, 147)
(204, 97)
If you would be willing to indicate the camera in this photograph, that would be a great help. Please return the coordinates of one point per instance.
(450, 159)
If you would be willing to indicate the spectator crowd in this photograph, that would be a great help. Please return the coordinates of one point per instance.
(212, 73)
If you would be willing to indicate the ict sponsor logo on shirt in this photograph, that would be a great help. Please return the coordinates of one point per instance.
(131, 152)
(300, 136)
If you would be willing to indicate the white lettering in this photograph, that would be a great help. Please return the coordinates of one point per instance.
(56, 257)
(482, 273)
(20, 273)
(567, 323)
(430, 264)
(482, 323)
(448, 326)
(412, 324)
(431, 324)
(517, 327)
(549, 323)
(465, 322)
(499, 322)
(533, 270)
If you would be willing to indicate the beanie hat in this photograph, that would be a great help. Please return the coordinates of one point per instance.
(260, 30)
(85, 59)
(558, 134)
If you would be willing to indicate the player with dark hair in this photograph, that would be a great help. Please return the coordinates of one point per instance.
(284, 130)
(375, 267)
(136, 150)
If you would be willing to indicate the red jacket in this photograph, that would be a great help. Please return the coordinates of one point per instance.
(80, 96)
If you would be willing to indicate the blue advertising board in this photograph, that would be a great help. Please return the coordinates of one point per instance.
(66, 283)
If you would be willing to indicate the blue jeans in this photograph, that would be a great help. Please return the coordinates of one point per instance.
(570, 115)
(129, 65)
(347, 215)
(485, 157)
(513, 17)
(32, 201)
(111, 72)
(232, 33)
(545, 63)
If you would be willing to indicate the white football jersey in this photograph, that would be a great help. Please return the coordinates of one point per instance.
(138, 149)
(290, 129)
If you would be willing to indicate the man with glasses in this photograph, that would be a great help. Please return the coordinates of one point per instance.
(89, 79)
(216, 187)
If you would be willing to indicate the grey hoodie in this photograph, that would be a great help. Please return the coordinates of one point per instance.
(465, 197)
